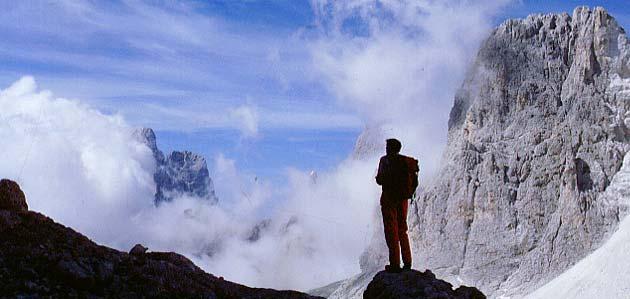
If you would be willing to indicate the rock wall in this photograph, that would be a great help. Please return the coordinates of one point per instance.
(534, 139)
(537, 132)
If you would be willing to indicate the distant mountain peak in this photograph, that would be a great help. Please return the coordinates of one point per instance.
(180, 173)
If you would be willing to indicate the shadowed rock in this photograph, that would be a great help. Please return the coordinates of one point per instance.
(43, 259)
(416, 284)
(138, 249)
(11, 196)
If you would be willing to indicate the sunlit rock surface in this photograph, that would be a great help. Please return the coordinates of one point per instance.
(537, 133)
(605, 272)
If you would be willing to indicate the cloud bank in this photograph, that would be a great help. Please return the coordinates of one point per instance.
(73, 161)
(399, 63)
(246, 117)
(85, 170)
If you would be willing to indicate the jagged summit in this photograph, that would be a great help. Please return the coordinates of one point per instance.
(181, 173)
(537, 133)
(147, 136)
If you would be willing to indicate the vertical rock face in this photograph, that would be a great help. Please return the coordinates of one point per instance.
(178, 174)
(537, 132)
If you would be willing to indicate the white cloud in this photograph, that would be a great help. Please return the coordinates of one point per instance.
(246, 117)
(85, 170)
(401, 62)
(61, 150)
(140, 59)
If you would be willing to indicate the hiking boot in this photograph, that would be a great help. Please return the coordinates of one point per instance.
(393, 269)
(406, 267)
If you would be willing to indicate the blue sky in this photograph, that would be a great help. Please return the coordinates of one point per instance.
(217, 77)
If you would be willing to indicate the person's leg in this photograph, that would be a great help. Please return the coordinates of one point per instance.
(401, 218)
(390, 225)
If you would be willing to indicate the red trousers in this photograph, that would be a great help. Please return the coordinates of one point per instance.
(395, 224)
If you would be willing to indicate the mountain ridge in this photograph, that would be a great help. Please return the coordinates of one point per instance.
(42, 258)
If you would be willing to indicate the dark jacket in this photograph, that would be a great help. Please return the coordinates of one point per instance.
(391, 175)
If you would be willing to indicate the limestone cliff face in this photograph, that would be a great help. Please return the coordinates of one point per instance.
(537, 132)
(535, 136)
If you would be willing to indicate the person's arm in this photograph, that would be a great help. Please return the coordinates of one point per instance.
(380, 172)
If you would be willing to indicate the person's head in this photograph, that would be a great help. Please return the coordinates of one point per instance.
(392, 146)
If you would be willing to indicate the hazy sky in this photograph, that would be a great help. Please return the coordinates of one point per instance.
(230, 77)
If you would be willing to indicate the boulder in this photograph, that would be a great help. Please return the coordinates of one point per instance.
(416, 284)
(138, 249)
(11, 196)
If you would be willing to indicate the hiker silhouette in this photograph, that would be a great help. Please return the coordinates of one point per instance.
(397, 175)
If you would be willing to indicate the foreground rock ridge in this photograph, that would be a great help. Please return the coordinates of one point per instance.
(181, 173)
(414, 284)
(537, 133)
(41, 258)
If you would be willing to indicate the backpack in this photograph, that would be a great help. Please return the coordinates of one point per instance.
(410, 183)
(401, 179)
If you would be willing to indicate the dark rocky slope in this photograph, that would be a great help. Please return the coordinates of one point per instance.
(41, 258)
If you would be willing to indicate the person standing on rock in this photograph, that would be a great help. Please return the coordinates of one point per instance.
(397, 175)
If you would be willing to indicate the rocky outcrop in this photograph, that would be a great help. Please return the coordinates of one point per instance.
(414, 284)
(537, 133)
(179, 173)
(43, 259)
(138, 249)
(11, 196)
